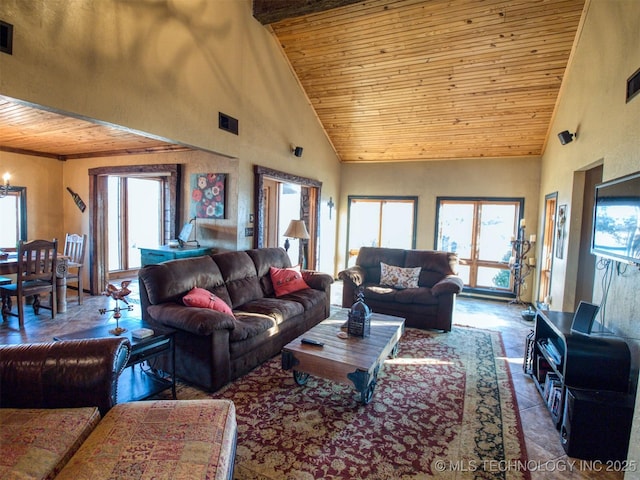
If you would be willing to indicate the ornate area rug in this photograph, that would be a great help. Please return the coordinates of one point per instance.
(445, 407)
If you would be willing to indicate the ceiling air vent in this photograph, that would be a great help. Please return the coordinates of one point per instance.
(6, 37)
(633, 85)
(227, 123)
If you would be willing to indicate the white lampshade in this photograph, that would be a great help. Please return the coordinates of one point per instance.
(297, 229)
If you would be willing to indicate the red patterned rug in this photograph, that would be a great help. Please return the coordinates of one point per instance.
(445, 406)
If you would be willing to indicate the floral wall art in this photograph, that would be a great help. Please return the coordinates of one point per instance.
(208, 195)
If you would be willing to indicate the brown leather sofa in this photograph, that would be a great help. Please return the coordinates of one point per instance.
(212, 348)
(73, 373)
(59, 408)
(429, 306)
(52, 396)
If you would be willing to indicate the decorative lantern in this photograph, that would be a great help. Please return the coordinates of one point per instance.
(359, 318)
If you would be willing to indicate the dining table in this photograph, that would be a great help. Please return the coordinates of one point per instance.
(9, 265)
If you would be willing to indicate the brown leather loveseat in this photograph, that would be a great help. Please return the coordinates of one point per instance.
(52, 396)
(60, 419)
(212, 347)
(428, 304)
(67, 374)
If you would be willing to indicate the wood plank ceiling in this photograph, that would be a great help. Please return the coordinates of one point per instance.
(390, 80)
(407, 80)
(29, 130)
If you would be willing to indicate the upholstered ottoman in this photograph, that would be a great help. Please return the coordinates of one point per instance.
(36, 442)
(163, 439)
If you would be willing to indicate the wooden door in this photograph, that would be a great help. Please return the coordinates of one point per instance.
(548, 236)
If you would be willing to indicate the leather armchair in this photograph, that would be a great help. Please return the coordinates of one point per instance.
(66, 374)
(430, 306)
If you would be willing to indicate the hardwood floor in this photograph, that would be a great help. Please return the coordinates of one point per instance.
(547, 459)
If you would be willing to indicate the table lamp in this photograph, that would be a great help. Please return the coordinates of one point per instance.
(297, 229)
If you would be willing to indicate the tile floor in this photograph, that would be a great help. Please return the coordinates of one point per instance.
(547, 458)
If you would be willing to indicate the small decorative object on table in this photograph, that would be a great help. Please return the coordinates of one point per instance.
(528, 314)
(359, 318)
(140, 333)
(117, 294)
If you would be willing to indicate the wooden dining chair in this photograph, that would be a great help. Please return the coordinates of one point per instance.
(74, 249)
(36, 275)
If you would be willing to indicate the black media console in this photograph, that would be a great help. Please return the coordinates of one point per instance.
(583, 379)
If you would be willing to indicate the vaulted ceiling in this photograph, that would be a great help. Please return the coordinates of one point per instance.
(390, 80)
(404, 80)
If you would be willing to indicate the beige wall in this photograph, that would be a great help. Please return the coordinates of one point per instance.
(593, 103)
(45, 200)
(217, 233)
(52, 212)
(167, 69)
(429, 180)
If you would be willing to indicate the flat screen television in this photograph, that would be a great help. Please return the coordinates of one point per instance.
(616, 220)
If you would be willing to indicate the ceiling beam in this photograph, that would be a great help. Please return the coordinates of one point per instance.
(272, 11)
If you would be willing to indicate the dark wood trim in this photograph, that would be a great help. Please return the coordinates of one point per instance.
(98, 218)
(128, 151)
(33, 153)
(260, 173)
(271, 11)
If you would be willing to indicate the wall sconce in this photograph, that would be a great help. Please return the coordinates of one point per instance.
(297, 151)
(4, 191)
(566, 137)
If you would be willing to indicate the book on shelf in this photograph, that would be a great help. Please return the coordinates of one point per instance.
(552, 384)
(551, 350)
(542, 369)
(555, 401)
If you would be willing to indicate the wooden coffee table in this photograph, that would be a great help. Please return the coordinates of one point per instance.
(352, 359)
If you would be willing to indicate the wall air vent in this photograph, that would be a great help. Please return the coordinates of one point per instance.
(227, 123)
(6, 37)
(633, 85)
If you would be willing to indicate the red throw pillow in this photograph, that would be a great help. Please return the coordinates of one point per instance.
(199, 297)
(287, 280)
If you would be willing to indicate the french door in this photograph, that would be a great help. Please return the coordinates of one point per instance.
(134, 213)
(112, 256)
(480, 232)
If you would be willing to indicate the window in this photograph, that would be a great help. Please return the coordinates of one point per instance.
(380, 222)
(480, 232)
(130, 226)
(13, 212)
